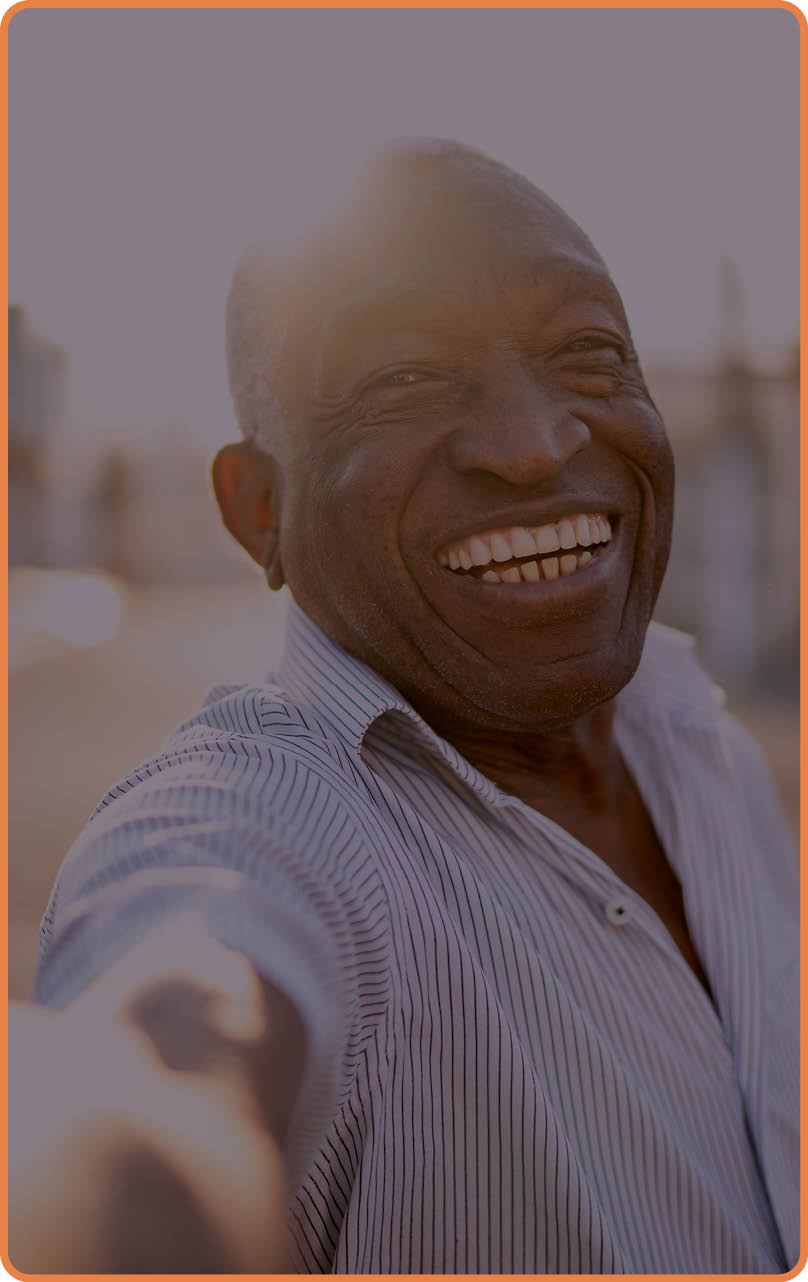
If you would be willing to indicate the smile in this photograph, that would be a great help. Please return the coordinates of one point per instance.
(529, 554)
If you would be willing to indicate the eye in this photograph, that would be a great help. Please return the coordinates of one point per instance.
(404, 377)
(593, 364)
(589, 344)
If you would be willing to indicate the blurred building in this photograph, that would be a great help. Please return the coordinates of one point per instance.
(734, 570)
(37, 373)
(144, 511)
(167, 528)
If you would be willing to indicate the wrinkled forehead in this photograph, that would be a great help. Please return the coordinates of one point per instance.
(458, 237)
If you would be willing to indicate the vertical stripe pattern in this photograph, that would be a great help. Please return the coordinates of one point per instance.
(503, 1076)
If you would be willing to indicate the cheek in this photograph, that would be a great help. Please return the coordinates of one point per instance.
(342, 525)
(371, 484)
(644, 444)
(634, 429)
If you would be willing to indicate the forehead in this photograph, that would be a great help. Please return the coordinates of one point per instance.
(443, 254)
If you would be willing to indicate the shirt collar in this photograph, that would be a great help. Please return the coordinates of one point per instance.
(342, 690)
(351, 697)
(671, 682)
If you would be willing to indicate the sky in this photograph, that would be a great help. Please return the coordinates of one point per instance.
(146, 147)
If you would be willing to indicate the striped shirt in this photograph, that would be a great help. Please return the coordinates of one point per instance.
(510, 1067)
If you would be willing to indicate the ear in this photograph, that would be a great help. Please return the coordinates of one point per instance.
(246, 482)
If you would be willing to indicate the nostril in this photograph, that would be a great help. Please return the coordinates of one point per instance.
(520, 450)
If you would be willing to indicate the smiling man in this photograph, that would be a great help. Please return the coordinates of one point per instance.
(514, 892)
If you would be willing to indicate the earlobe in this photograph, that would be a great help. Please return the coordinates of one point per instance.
(271, 559)
(247, 487)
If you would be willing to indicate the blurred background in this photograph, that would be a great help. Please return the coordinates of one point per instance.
(147, 147)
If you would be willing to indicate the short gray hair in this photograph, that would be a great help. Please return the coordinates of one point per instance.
(255, 336)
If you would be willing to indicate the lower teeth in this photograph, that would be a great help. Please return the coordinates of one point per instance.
(533, 571)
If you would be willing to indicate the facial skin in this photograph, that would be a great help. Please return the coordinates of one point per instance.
(459, 362)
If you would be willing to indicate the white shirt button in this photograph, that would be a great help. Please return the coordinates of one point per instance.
(618, 911)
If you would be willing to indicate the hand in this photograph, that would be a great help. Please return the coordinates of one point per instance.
(143, 1127)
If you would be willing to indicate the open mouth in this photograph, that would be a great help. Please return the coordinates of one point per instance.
(530, 554)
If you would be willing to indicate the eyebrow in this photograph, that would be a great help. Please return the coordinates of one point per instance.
(411, 308)
(406, 306)
(352, 323)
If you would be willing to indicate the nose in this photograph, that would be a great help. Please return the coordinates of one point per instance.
(521, 431)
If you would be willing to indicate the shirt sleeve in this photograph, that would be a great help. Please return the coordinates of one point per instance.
(260, 843)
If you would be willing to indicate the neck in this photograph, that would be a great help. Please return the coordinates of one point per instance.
(576, 764)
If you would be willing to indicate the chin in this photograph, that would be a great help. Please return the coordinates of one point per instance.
(557, 693)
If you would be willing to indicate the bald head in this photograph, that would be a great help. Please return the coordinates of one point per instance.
(445, 358)
(416, 197)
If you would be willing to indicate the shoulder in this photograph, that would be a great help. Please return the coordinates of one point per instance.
(250, 783)
(251, 802)
(671, 685)
(248, 741)
(756, 786)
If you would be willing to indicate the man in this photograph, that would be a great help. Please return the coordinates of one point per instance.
(480, 913)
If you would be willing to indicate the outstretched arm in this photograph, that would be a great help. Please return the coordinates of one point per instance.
(147, 1119)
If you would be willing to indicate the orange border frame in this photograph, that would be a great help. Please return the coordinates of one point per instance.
(788, 7)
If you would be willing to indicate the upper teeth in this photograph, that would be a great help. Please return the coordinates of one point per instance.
(580, 530)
